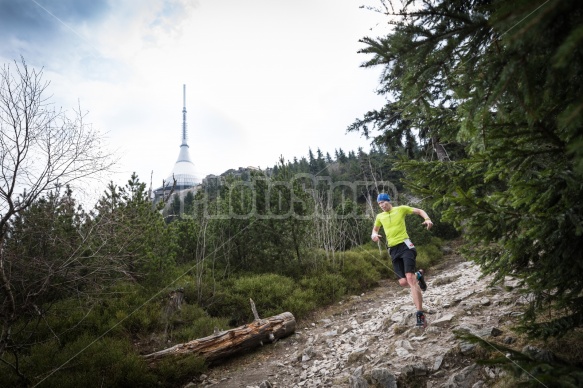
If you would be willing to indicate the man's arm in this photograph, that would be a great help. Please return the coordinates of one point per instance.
(427, 221)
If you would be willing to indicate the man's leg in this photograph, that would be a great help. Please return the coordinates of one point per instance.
(399, 270)
(408, 257)
(410, 280)
(409, 261)
(415, 290)
(404, 267)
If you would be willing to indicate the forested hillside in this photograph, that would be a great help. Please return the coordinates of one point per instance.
(482, 128)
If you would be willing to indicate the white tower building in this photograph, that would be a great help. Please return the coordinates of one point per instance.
(184, 171)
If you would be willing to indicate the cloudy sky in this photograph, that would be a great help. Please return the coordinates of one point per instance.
(263, 78)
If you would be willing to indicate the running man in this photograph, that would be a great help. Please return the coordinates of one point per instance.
(401, 249)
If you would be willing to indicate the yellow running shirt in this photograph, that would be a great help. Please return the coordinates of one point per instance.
(393, 222)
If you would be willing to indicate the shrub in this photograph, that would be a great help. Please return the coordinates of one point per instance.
(126, 304)
(428, 255)
(359, 272)
(268, 291)
(118, 312)
(179, 370)
(327, 287)
(140, 319)
(8, 378)
(104, 362)
(318, 261)
(379, 258)
(199, 288)
(197, 328)
(232, 306)
(300, 303)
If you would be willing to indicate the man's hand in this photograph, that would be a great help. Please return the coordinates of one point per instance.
(427, 223)
(375, 237)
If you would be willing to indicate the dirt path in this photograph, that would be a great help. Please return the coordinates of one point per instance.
(351, 341)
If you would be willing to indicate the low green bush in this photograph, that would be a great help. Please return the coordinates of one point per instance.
(117, 313)
(179, 370)
(299, 303)
(186, 314)
(268, 291)
(69, 318)
(129, 305)
(192, 329)
(234, 307)
(318, 261)
(428, 255)
(327, 287)
(108, 362)
(378, 256)
(139, 319)
(359, 271)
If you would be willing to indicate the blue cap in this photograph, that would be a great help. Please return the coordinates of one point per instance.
(383, 197)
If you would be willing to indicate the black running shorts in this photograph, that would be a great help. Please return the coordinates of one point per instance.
(403, 259)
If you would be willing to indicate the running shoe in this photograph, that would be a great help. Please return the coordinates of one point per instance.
(421, 280)
(421, 322)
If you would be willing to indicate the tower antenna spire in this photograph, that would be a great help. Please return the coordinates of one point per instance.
(184, 133)
(183, 175)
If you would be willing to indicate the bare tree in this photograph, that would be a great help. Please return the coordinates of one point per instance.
(41, 149)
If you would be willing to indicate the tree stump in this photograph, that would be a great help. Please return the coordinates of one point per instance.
(227, 343)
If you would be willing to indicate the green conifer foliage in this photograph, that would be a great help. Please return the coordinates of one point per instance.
(131, 235)
(500, 85)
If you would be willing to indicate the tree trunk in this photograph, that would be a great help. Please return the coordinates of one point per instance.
(227, 343)
(442, 155)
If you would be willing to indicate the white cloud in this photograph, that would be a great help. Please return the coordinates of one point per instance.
(264, 78)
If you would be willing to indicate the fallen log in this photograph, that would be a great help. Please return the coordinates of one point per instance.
(227, 343)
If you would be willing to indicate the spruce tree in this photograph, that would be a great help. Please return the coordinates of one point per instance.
(493, 91)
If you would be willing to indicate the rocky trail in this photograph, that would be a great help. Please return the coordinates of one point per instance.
(371, 340)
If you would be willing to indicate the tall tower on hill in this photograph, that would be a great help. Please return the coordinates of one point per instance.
(184, 171)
